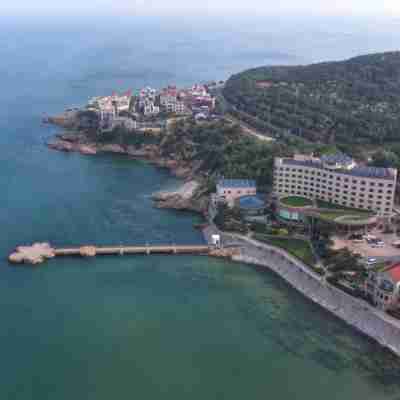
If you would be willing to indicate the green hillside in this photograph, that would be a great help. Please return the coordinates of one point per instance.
(353, 101)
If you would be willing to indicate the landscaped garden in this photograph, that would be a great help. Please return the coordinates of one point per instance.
(300, 249)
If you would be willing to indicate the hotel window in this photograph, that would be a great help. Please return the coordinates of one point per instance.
(363, 182)
(381, 184)
(390, 185)
(371, 190)
(338, 178)
(372, 184)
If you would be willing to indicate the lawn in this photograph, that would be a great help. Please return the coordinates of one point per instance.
(353, 215)
(344, 210)
(296, 201)
(296, 247)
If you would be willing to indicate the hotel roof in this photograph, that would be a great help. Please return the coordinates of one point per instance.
(237, 183)
(360, 171)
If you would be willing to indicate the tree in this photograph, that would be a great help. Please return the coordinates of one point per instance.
(385, 159)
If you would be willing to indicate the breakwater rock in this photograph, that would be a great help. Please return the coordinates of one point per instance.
(185, 198)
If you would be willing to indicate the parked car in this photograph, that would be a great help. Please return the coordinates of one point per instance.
(371, 261)
(356, 238)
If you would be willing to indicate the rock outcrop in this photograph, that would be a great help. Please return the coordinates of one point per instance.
(187, 197)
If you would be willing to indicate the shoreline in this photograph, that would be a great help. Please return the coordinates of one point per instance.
(356, 313)
(383, 329)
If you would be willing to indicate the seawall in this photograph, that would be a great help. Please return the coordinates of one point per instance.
(357, 313)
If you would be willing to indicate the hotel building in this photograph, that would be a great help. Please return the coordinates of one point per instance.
(336, 179)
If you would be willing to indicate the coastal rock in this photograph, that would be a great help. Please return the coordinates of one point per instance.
(112, 148)
(66, 120)
(61, 145)
(185, 192)
(87, 149)
(185, 198)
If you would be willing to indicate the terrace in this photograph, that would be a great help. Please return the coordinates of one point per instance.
(329, 212)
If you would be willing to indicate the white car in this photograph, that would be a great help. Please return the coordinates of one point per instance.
(371, 261)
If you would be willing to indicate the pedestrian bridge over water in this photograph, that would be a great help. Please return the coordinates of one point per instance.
(40, 252)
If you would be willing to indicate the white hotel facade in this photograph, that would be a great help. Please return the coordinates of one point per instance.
(336, 179)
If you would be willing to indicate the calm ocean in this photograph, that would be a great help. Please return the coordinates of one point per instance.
(152, 327)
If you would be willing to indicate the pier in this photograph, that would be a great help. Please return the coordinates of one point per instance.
(40, 252)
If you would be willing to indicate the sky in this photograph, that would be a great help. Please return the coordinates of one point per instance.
(204, 7)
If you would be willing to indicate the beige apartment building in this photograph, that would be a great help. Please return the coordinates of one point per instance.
(336, 179)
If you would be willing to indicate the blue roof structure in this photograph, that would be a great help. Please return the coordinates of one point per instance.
(251, 203)
(237, 183)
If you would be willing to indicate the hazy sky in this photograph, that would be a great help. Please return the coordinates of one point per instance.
(204, 7)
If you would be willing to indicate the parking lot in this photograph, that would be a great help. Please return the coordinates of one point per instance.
(387, 251)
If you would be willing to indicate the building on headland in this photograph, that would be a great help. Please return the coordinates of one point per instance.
(382, 287)
(110, 107)
(230, 190)
(147, 102)
(336, 179)
(171, 100)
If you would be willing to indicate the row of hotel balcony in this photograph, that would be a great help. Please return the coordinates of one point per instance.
(355, 191)
(337, 177)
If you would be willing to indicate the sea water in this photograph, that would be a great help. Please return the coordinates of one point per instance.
(150, 327)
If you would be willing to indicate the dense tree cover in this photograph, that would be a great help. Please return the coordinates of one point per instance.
(124, 137)
(220, 149)
(353, 101)
(338, 261)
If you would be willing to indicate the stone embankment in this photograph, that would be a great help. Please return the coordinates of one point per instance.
(357, 313)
